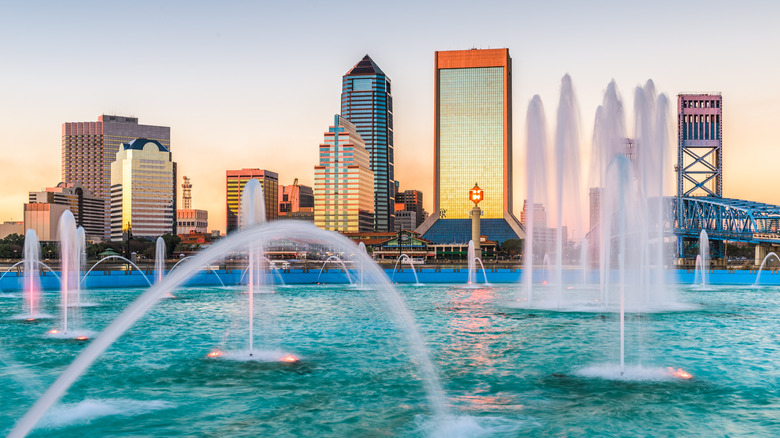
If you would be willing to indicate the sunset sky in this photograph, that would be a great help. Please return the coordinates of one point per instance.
(249, 84)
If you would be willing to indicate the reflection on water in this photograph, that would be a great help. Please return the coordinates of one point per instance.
(508, 371)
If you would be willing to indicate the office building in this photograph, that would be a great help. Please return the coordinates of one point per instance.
(296, 202)
(405, 220)
(44, 219)
(367, 102)
(88, 210)
(472, 145)
(142, 190)
(235, 180)
(411, 200)
(188, 219)
(343, 181)
(89, 148)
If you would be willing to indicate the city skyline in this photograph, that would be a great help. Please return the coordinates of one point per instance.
(201, 83)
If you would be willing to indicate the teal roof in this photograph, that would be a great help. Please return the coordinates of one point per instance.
(139, 143)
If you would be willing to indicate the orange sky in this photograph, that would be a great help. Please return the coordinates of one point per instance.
(251, 86)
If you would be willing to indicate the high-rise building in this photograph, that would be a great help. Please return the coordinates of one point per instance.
(700, 141)
(89, 148)
(367, 102)
(296, 202)
(142, 190)
(594, 202)
(87, 209)
(343, 181)
(472, 144)
(412, 200)
(539, 215)
(186, 196)
(234, 188)
(188, 219)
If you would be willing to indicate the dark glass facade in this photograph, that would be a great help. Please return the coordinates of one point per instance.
(367, 102)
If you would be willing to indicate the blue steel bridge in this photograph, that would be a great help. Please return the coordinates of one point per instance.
(724, 219)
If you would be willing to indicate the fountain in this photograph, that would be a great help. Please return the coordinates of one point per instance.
(245, 240)
(567, 174)
(472, 267)
(471, 260)
(362, 249)
(627, 175)
(252, 213)
(113, 257)
(403, 258)
(703, 261)
(536, 187)
(159, 260)
(32, 284)
(70, 297)
(761, 268)
(335, 258)
(208, 268)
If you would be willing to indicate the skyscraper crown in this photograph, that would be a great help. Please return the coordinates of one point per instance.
(366, 66)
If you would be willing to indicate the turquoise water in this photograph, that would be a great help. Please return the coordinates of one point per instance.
(506, 371)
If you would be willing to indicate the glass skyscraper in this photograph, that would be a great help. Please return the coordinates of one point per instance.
(473, 135)
(472, 145)
(367, 102)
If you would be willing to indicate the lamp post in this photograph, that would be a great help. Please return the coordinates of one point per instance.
(475, 195)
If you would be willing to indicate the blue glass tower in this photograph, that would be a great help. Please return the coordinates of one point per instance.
(367, 103)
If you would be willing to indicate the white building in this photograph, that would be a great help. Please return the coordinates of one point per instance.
(142, 190)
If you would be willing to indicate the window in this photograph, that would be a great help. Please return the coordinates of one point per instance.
(361, 84)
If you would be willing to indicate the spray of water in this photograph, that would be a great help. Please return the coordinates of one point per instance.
(239, 241)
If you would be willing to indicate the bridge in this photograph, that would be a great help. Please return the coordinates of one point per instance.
(725, 219)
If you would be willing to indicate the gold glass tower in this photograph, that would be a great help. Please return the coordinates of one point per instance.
(473, 133)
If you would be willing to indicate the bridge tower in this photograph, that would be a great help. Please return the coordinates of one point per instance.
(699, 154)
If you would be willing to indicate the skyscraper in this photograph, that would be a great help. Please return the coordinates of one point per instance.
(142, 190)
(367, 102)
(343, 181)
(235, 180)
(89, 148)
(472, 144)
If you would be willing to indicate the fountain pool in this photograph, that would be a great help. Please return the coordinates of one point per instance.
(514, 372)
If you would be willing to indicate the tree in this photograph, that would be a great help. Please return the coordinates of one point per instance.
(171, 241)
(14, 239)
(512, 246)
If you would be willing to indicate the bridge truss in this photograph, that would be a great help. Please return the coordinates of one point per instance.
(724, 219)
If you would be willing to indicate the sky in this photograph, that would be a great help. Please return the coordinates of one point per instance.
(256, 84)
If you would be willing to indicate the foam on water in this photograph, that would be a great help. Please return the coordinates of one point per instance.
(70, 334)
(91, 409)
(631, 373)
(25, 317)
(258, 356)
(470, 426)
